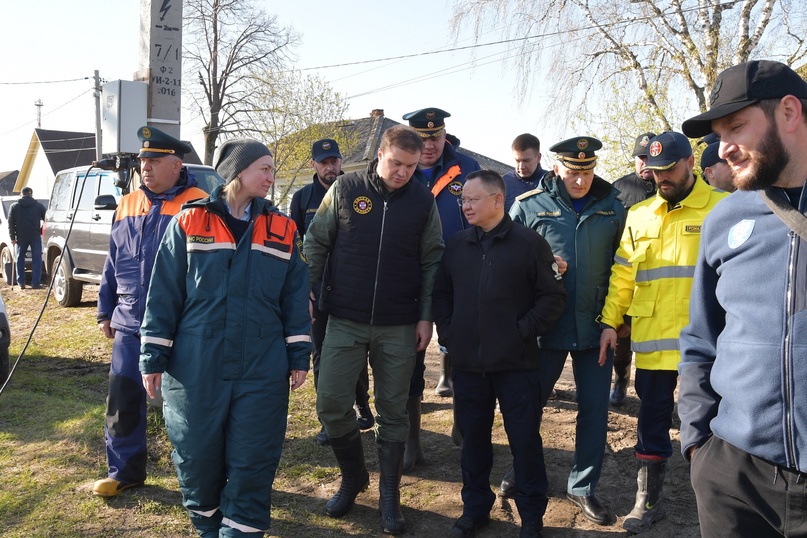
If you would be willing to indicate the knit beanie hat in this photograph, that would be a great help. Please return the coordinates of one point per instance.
(235, 155)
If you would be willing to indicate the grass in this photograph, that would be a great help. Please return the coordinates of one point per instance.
(52, 450)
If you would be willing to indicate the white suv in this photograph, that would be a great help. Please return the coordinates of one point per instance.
(91, 210)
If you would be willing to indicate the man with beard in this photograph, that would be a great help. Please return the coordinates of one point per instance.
(650, 281)
(633, 188)
(326, 160)
(742, 400)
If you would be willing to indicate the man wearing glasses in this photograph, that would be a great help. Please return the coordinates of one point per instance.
(489, 315)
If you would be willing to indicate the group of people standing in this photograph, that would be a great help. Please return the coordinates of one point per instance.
(655, 265)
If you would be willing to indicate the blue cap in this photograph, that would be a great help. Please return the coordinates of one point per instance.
(324, 148)
(709, 157)
(156, 143)
(666, 149)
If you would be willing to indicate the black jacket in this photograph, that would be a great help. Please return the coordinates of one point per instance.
(25, 219)
(491, 306)
(633, 189)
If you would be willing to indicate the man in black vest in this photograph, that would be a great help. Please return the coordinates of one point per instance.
(326, 160)
(375, 245)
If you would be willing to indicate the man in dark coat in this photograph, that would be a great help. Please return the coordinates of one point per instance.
(488, 316)
(25, 229)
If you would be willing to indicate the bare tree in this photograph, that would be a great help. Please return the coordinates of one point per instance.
(226, 41)
(661, 55)
(291, 112)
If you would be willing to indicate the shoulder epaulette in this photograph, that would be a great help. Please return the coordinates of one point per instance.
(537, 190)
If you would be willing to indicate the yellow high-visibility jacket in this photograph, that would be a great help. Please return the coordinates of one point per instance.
(652, 273)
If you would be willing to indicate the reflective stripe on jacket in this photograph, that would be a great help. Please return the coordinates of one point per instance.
(651, 278)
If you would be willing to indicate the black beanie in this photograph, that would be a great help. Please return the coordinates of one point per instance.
(235, 155)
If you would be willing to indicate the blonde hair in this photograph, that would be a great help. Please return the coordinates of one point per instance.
(231, 189)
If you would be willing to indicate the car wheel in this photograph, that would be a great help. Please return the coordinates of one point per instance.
(6, 259)
(66, 290)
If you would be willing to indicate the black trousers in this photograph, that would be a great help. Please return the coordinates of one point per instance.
(519, 394)
(740, 495)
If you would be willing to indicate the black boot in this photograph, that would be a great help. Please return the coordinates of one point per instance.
(508, 486)
(445, 387)
(414, 453)
(350, 456)
(622, 360)
(390, 463)
(649, 493)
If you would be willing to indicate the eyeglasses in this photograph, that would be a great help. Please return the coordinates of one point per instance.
(473, 201)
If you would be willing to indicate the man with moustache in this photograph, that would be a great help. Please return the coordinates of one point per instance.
(651, 281)
(375, 244)
(742, 400)
(497, 289)
(326, 160)
(633, 188)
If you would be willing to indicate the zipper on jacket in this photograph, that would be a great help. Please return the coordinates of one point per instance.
(378, 260)
(791, 452)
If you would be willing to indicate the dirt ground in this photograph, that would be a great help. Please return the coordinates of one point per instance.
(431, 501)
(431, 495)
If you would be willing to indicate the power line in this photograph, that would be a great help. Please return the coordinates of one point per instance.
(42, 82)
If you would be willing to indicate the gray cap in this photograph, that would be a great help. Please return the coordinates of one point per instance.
(235, 155)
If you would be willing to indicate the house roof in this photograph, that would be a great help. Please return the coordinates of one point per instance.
(68, 149)
(370, 129)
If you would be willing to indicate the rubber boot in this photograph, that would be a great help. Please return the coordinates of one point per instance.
(390, 463)
(622, 360)
(355, 479)
(649, 493)
(445, 387)
(414, 453)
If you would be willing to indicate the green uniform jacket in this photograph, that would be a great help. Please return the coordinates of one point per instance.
(587, 242)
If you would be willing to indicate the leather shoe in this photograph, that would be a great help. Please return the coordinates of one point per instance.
(109, 487)
(467, 525)
(619, 392)
(322, 437)
(592, 509)
(364, 416)
(508, 487)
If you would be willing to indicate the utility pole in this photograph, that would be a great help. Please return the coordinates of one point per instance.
(161, 61)
(97, 96)
(38, 104)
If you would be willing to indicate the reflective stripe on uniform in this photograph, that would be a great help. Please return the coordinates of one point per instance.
(239, 527)
(298, 338)
(651, 346)
(156, 340)
(674, 271)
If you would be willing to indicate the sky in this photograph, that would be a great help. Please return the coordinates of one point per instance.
(59, 45)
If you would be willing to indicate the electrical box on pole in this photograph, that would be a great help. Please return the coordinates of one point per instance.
(161, 62)
(123, 112)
